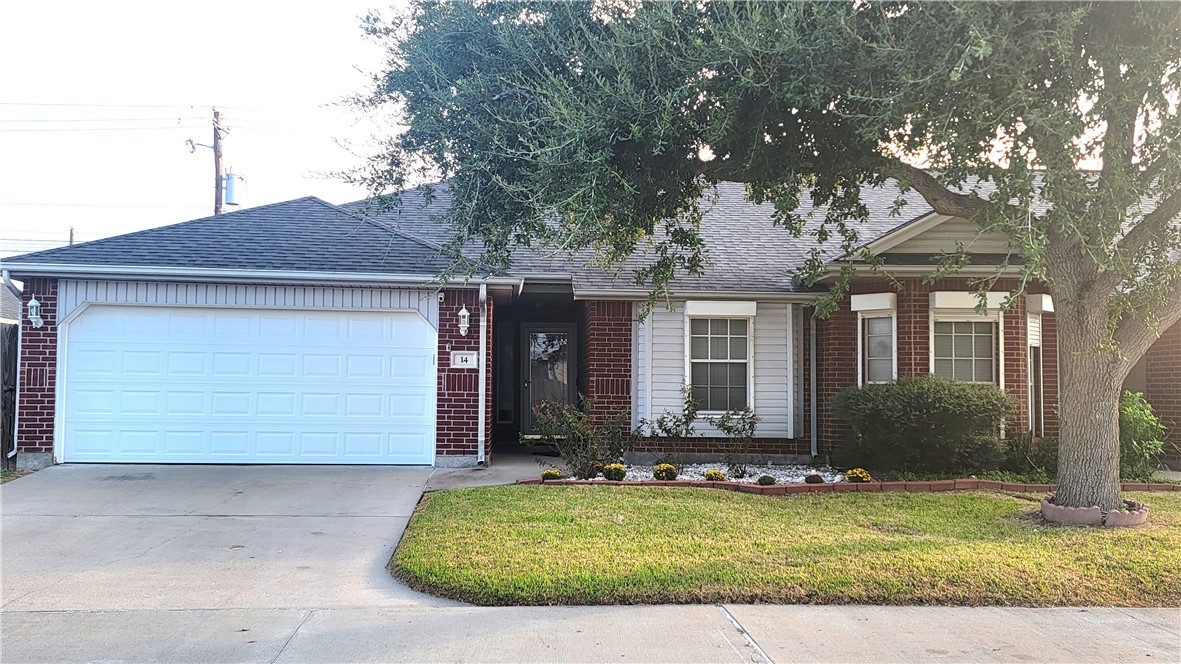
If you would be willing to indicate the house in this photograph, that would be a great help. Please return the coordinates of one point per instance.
(304, 332)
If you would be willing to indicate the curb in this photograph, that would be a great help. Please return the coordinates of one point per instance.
(845, 487)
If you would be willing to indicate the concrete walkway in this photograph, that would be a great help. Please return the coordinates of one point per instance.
(287, 564)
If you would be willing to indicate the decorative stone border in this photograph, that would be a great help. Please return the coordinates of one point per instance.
(1136, 514)
(845, 487)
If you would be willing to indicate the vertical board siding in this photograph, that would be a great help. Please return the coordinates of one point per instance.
(774, 385)
(75, 292)
(639, 361)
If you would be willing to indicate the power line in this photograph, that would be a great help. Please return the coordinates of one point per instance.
(44, 120)
(33, 103)
(105, 205)
(59, 129)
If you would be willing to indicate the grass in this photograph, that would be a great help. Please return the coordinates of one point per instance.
(7, 475)
(619, 545)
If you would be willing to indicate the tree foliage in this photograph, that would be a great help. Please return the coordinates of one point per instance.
(602, 126)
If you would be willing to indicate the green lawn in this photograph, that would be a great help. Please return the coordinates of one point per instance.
(617, 545)
(9, 475)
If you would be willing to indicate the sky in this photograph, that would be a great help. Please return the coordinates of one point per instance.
(97, 100)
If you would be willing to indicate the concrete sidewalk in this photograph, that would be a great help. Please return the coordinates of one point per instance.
(597, 634)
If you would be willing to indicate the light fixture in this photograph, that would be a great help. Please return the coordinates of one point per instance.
(35, 312)
(464, 321)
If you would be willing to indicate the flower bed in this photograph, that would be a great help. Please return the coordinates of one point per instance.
(783, 473)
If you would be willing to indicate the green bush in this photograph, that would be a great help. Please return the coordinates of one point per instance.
(551, 474)
(766, 480)
(584, 441)
(615, 472)
(1141, 437)
(924, 424)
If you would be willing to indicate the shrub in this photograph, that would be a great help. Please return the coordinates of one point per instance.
(583, 441)
(551, 474)
(858, 475)
(665, 471)
(738, 427)
(813, 479)
(1029, 457)
(715, 475)
(923, 424)
(1140, 438)
(615, 472)
(766, 480)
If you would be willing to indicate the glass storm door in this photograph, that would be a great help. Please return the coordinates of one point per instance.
(547, 370)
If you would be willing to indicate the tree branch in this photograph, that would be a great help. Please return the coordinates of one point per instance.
(1135, 336)
(943, 200)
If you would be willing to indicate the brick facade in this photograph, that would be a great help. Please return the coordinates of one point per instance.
(1162, 372)
(838, 358)
(38, 370)
(605, 355)
(457, 418)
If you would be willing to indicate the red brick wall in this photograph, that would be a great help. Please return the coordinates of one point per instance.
(837, 360)
(606, 348)
(1162, 369)
(38, 370)
(457, 419)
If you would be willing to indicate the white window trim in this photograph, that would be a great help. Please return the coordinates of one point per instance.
(969, 316)
(877, 313)
(750, 353)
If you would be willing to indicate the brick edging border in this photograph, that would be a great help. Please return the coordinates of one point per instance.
(846, 487)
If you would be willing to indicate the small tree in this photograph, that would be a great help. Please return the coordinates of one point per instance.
(584, 441)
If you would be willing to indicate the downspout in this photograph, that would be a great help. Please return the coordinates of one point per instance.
(19, 329)
(812, 379)
(483, 424)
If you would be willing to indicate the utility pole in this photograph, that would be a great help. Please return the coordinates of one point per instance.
(219, 176)
(71, 236)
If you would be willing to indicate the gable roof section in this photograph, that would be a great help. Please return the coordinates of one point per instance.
(302, 235)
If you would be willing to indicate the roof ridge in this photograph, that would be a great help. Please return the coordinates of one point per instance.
(366, 220)
(159, 228)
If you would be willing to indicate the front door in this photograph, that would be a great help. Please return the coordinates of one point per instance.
(547, 369)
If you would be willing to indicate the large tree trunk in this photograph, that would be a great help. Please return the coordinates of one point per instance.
(1088, 404)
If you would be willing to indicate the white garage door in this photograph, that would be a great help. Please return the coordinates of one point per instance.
(193, 385)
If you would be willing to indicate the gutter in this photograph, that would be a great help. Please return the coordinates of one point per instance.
(482, 427)
(719, 294)
(19, 329)
(243, 276)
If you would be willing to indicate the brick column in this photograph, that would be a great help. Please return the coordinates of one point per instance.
(457, 418)
(36, 400)
(606, 362)
(1162, 369)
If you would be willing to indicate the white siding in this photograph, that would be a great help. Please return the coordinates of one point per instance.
(944, 236)
(73, 292)
(774, 346)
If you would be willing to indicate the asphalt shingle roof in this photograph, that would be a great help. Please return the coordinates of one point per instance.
(746, 251)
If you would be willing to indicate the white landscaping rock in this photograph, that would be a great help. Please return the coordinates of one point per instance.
(783, 473)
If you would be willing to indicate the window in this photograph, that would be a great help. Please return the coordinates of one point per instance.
(965, 350)
(877, 349)
(719, 366)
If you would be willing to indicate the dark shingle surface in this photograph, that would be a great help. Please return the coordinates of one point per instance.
(10, 306)
(305, 234)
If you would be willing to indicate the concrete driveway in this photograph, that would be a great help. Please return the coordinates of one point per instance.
(103, 537)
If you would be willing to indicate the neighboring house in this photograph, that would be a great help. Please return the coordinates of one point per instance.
(10, 307)
(303, 332)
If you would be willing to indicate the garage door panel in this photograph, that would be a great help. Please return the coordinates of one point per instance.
(249, 386)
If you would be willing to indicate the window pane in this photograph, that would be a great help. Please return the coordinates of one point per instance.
(983, 346)
(878, 326)
(737, 348)
(738, 326)
(718, 326)
(943, 328)
(699, 374)
(963, 370)
(943, 368)
(699, 348)
(881, 347)
(880, 371)
(984, 370)
(983, 328)
(717, 398)
(699, 326)
(737, 373)
(737, 398)
(942, 345)
(963, 328)
(718, 348)
(963, 346)
(717, 374)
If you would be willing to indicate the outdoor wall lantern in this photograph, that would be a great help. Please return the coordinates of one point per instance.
(35, 312)
(464, 321)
